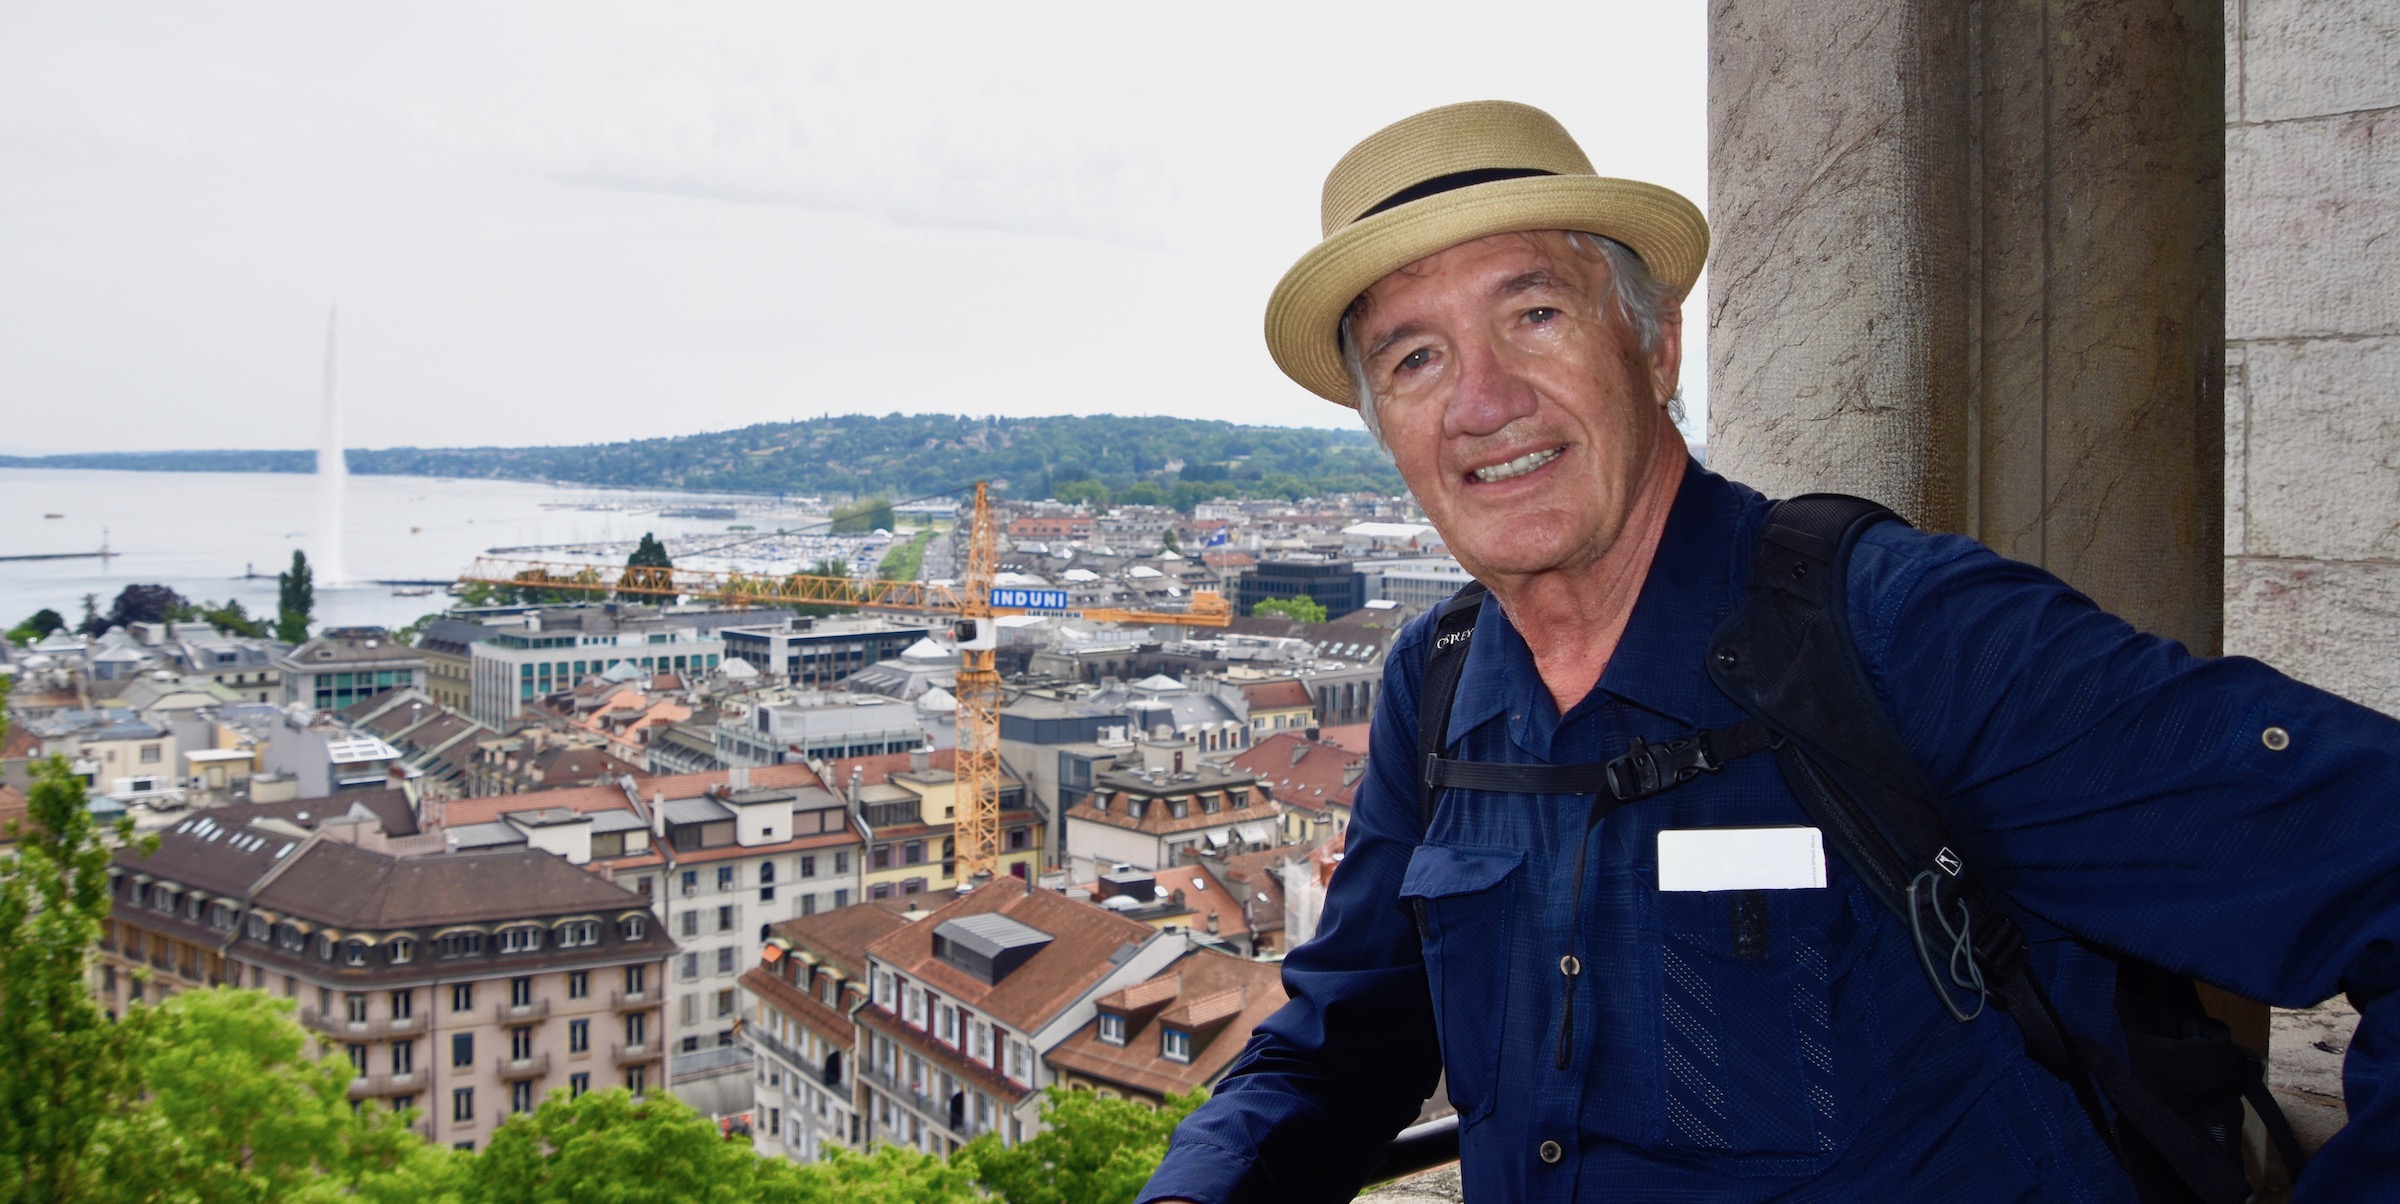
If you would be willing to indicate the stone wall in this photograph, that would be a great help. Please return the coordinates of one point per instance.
(2312, 400)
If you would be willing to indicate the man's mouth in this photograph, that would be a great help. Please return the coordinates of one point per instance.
(1518, 467)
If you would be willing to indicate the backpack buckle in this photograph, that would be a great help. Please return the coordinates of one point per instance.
(1647, 769)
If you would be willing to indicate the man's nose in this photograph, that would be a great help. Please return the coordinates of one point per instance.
(1490, 392)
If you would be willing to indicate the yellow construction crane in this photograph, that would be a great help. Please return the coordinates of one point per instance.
(971, 605)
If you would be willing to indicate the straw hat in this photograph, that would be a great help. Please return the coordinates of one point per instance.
(1448, 176)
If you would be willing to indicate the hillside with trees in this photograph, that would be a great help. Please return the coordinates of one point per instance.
(895, 456)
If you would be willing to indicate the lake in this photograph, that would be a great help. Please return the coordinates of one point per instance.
(201, 533)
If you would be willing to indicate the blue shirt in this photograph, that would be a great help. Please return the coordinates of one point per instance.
(2108, 782)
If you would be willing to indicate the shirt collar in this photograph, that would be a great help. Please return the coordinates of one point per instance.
(1658, 664)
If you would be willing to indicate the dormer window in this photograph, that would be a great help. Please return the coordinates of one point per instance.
(633, 928)
(1179, 808)
(400, 950)
(354, 953)
(1241, 798)
(292, 939)
(577, 933)
(259, 929)
(521, 939)
(1175, 1045)
(1112, 1028)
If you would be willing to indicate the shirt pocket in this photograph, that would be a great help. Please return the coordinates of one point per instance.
(1768, 1036)
(1460, 898)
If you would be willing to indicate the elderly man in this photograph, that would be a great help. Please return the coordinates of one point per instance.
(1679, 997)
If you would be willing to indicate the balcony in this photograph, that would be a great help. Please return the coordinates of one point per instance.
(634, 1001)
(335, 1025)
(627, 1055)
(504, 1013)
(759, 1040)
(367, 1085)
(532, 1067)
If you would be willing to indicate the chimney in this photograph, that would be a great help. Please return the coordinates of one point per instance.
(920, 759)
(1352, 772)
(1212, 923)
(858, 775)
(658, 813)
(1314, 734)
(1299, 751)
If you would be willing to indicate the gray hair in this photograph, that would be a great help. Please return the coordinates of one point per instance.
(1643, 300)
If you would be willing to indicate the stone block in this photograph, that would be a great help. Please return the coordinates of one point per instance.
(2237, 425)
(2335, 625)
(2311, 217)
(2323, 479)
(2309, 58)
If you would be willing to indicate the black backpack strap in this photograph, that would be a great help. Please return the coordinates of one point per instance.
(1787, 658)
(1452, 632)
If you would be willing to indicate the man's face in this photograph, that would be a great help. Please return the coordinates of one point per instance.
(1523, 420)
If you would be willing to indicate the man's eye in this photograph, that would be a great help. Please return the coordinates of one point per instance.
(1542, 313)
(1414, 360)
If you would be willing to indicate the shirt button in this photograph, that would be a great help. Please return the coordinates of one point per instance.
(2276, 739)
(1550, 1152)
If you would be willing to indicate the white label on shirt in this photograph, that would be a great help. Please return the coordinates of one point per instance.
(1740, 858)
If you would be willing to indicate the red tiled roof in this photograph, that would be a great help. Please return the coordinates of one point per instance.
(1084, 938)
(1231, 995)
(1277, 696)
(1309, 774)
(1352, 736)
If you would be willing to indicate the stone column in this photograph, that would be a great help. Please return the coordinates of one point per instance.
(1970, 262)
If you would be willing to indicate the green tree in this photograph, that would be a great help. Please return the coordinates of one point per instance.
(70, 1070)
(1090, 494)
(1168, 542)
(863, 516)
(295, 599)
(1142, 493)
(232, 618)
(1303, 608)
(1090, 1151)
(234, 1111)
(36, 626)
(648, 566)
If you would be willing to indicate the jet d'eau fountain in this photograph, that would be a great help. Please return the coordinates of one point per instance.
(333, 471)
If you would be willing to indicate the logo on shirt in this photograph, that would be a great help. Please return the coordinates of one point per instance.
(1455, 637)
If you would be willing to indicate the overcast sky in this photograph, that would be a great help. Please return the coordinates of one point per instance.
(577, 222)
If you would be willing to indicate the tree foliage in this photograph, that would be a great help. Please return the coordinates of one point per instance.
(1302, 608)
(232, 618)
(141, 603)
(650, 553)
(863, 516)
(1092, 1150)
(295, 599)
(69, 1070)
(36, 626)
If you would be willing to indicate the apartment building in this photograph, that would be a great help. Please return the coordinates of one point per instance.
(965, 1003)
(1278, 705)
(718, 858)
(465, 985)
(818, 726)
(344, 665)
(510, 668)
(810, 977)
(907, 809)
(1147, 811)
(1315, 780)
(819, 653)
(1170, 1034)
(112, 751)
(241, 664)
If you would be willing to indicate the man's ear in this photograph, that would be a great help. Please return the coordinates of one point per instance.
(1666, 362)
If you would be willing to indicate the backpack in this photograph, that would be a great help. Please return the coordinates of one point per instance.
(1786, 658)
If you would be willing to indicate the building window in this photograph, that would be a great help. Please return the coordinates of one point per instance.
(579, 984)
(913, 853)
(725, 960)
(725, 918)
(404, 1057)
(579, 1036)
(947, 1021)
(577, 1084)
(520, 1043)
(459, 944)
(520, 1096)
(404, 1004)
(633, 926)
(691, 883)
(637, 1079)
(358, 1061)
(808, 905)
(1112, 1028)
(841, 862)
(462, 1106)
(462, 997)
(399, 950)
(1175, 1045)
(520, 940)
(691, 966)
(462, 1050)
(691, 923)
(725, 1001)
(841, 898)
(766, 894)
(635, 977)
(578, 933)
(520, 992)
(808, 867)
(724, 877)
